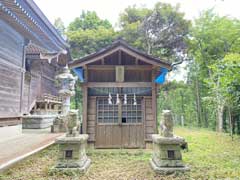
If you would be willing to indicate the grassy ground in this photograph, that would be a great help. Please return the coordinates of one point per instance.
(210, 156)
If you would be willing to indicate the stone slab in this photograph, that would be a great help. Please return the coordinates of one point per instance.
(168, 170)
(81, 169)
(77, 139)
(167, 140)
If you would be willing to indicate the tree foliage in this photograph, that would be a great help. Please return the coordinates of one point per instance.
(160, 31)
(89, 33)
(88, 20)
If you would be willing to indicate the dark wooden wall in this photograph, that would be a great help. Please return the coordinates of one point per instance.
(38, 81)
(11, 70)
(19, 87)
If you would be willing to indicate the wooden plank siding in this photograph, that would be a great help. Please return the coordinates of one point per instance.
(149, 119)
(11, 54)
(91, 118)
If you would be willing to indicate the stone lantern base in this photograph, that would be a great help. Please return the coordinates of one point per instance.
(72, 153)
(167, 157)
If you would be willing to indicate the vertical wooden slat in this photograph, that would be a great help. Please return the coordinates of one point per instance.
(119, 57)
(22, 78)
(85, 102)
(154, 101)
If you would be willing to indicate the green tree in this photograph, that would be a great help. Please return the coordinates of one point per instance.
(130, 22)
(160, 31)
(212, 38)
(59, 25)
(89, 33)
(165, 31)
(88, 20)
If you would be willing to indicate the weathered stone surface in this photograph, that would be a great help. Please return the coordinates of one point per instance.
(37, 121)
(166, 124)
(167, 140)
(167, 170)
(72, 153)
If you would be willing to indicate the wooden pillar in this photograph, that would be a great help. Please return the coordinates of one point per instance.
(154, 101)
(85, 101)
(102, 61)
(22, 75)
(85, 106)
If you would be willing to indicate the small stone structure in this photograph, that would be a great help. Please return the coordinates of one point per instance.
(44, 112)
(72, 146)
(167, 157)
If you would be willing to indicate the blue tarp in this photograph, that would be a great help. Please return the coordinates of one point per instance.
(161, 78)
(79, 72)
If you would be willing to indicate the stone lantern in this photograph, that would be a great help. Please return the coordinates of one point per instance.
(66, 82)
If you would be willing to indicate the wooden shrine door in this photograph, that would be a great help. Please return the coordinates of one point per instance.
(119, 126)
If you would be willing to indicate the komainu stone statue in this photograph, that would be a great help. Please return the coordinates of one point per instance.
(166, 125)
(72, 147)
(73, 123)
(167, 157)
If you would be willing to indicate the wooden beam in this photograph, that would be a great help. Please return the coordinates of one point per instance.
(127, 67)
(118, 84)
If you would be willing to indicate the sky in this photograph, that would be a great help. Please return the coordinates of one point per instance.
(68, 10)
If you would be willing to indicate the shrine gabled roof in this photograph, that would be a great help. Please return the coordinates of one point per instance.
(116, 46)
(27, 19)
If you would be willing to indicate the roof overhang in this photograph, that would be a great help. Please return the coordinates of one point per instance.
(119, 45)
(26, 18)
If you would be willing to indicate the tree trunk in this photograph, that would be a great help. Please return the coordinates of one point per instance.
(219, 123)
(182, 120)
(220, 109)
(230, 122)
(198, 103)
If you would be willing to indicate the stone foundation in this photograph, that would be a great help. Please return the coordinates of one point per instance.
(37, 121)
(167, 157)
(72, 153)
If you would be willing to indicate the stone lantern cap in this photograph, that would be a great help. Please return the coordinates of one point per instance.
(65, 74)
(167, 140)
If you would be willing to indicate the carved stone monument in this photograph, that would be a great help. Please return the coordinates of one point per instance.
(72, 146)
(167, 157)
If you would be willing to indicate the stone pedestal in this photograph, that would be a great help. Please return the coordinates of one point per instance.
(167, 157)
(72, 153)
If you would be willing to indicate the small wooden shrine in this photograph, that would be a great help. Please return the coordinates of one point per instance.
(120, 85)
